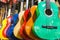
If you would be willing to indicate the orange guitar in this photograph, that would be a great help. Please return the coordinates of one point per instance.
(30, 22)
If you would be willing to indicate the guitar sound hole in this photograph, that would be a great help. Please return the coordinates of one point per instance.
(48, 12)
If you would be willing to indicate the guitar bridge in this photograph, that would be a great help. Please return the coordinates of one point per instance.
(49, 27)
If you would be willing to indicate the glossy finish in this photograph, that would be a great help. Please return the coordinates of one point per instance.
(9, 33)
(18, 25)
(22, 29)
(7, 26)
(4, 23)
(45, 20)
(30, 22)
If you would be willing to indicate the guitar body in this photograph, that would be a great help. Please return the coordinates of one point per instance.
(7, 26)
(30, 22)
(9, 33)
(4, 23)
(47, 27)
(37, 12)
(18, 25)
(22, 29)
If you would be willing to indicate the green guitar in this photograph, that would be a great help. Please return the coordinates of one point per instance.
(47, 25)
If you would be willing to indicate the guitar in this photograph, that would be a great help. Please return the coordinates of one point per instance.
(30, 23)
(4, 23)
(9, 17)
(22, 33)
(47, 24)
(19, 24)
(26, 17)
(7, 26)
(9, 33)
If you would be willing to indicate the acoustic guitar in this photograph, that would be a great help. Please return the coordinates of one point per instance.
(9, 33)
(26, 17)
(7, 26)
(19, 24)
(30, 22)
(47, 24)
(9, 17)
(22, 33)
(4, 23)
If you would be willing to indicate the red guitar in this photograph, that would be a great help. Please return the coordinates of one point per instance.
(25, 18)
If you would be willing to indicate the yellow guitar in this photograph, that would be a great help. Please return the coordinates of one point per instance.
(18, 25)
(4, 23)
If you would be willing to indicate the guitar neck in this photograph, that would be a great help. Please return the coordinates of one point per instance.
(2, 12)
(47, 4)
(13, 9)
(0, 17)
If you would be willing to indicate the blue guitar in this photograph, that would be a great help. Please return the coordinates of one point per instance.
(9, 33)
(14, 19)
